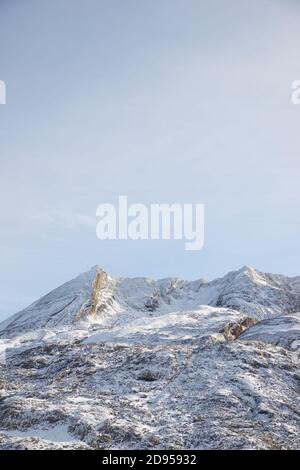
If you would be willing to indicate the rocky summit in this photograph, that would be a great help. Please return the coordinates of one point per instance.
(117, 363)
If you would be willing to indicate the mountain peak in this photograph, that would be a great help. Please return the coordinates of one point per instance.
(247, 269)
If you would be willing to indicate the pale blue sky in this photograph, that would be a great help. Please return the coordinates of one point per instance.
(164, 101)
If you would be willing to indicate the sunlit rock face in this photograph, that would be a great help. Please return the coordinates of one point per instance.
(105, 362)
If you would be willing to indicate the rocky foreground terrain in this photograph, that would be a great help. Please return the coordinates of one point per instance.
(106, 363)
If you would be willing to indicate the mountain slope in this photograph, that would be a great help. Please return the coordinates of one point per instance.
(56, 308)
(106, 362)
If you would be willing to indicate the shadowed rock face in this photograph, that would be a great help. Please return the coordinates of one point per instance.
(283, 331)
(136, 363)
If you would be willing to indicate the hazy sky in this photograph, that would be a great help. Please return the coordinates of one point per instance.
(163, 101)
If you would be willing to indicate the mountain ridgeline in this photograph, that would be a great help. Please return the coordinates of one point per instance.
(94, 295)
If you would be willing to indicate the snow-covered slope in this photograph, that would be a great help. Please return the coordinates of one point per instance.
(59, 307)
(106, 362)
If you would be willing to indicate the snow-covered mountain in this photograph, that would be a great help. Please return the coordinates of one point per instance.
(94, 296)
(104, 362)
